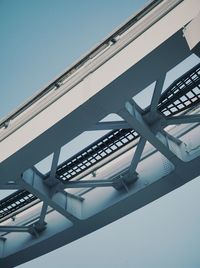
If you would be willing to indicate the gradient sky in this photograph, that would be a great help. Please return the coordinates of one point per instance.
(38, 40)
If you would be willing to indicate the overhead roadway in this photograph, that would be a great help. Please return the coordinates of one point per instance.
(87, 191)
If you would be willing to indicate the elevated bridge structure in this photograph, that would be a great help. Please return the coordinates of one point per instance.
(113, 175)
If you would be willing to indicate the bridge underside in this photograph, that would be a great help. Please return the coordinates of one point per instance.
(113, 175)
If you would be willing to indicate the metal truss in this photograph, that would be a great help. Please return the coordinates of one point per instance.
(72, 188)
(180, 96)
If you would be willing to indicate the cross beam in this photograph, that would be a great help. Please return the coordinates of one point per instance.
(132, 115)
(117, 182)
(43, 213)
(110, 125)
(181, 119)
(88, 184)
(157, 94)
(60, 201)
(51, 180)
(137, 155)
(14, 229)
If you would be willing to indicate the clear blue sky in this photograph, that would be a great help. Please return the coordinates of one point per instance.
(38, 40)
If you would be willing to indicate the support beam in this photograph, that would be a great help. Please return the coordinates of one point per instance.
(40, 225)
(43, 213)
(169, 137)
(181, 119)
(156, 94)
(33, 183)
(14, 229)
(54, 163)
(51, 180)
(89, 183)
(134, 118)
(110, 125)
(137, 155)
(118, 181)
